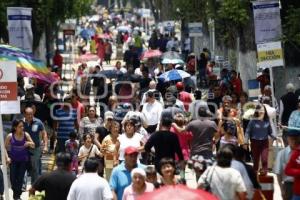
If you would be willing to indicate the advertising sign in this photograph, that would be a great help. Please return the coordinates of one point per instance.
(195, 29)
(19, 27)
(267, 21)
(270, 55)
(8, 81)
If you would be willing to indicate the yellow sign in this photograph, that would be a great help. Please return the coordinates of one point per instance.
(273, 54)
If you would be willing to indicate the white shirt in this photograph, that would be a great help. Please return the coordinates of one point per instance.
(187, 44)
(282, 159)
(134, 141)
(84, 151)
(152, 112)
(224, 182)
(90, 186)
(241, 168)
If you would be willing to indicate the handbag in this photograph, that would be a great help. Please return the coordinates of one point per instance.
(258, 195)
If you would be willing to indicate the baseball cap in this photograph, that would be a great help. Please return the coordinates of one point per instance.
(108, 115)
(131, 150)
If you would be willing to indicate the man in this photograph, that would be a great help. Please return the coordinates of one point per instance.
(236, 83)
(57, 183)
(194, 107)
(36, 130)
(288, 103)
(285, 182)
(215, 100)
(120, 177)
(165, 143)
(65, 122)
(30, 95)
(293, 166)
(157, 94)
(203, 130)
(90, 185)
(152, 112)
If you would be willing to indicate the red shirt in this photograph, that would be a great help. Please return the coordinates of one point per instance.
(293, 169)
(79, 108)
(237, 85)
(58, 60)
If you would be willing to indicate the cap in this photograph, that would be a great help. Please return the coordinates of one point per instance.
(29, 86)
(108, 115)
(131, 150)
(293, 132)
(179, 86)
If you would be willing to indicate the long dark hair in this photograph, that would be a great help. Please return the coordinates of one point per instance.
(14, 125)
(257, 109)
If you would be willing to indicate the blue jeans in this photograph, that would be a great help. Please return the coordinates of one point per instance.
(17, 172)
(35, 159)
(296, 197)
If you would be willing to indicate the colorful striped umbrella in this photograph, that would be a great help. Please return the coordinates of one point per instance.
(27, 65)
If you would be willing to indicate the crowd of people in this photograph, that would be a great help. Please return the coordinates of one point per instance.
(149, 130)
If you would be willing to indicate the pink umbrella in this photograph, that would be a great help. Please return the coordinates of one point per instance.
(177, 192)
(151, 54)
(105, 36)
(87, 57)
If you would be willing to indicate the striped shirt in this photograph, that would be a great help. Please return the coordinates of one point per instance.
(66, 122)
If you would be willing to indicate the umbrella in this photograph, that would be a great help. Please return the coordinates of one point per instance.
(94, 18)
(172, 61)
(111, 73)
(177, 192)
(87, 57)
(151, 53)
(124, 29)
(27, 65)
(173, 75)
(171, 55)
(105, 36)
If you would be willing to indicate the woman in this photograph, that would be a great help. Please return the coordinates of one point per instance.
(129, 138)
(112, 103)
(167, 171)
(110, 144)
(222, 180)
(258, 130)
(17, 144)
(235, 100)
(89, 123)
(138, 186)
(230, 132)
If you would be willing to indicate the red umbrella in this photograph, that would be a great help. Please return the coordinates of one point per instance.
(151, 54)
(177, 192)
(87, 57)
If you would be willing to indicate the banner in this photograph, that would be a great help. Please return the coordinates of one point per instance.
(267, 21)
(270, 55)
(195, 29)
(19, 27)
(169, 26)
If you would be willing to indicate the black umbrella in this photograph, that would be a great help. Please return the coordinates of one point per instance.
(111, 73)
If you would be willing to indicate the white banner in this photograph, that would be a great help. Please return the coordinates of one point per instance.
(267, 21)
(19, 27)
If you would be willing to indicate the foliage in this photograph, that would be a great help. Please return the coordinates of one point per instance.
(46, 13)
(291, 28)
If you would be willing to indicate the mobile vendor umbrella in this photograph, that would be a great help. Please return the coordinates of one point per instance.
(27, 65)
(173, 75)
(87, 57)
(172, 61)
(177, 192)
(151, 54)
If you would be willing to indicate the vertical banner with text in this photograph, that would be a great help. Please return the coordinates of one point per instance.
(267, 21)
(19, 27)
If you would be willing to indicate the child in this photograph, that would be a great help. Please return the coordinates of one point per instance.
(88, 149)
(72, 146)
(151, 176)
(229, 133)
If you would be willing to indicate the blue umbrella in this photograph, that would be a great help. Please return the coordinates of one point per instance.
(174, 75)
